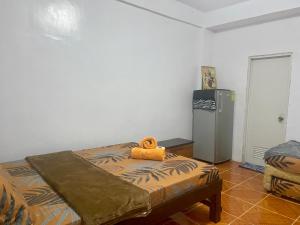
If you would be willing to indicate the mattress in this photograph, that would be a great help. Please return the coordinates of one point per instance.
(163, 180)
(286, 188)
(285, 163)
(281, 182)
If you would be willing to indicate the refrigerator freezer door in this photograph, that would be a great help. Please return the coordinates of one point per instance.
(224, 125)
(204, 135)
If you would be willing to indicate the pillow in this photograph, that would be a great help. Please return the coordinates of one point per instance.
(13, 208)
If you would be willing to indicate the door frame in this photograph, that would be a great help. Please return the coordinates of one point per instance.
(250, 59)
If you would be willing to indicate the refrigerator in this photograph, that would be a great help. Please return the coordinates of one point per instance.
(213, 125)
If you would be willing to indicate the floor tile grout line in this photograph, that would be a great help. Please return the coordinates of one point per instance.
(222, 211)
(261, 199)
(286, 200)
(220, 172)
(249, 209)
(240, 199)
(234, 186)
(238, 166)
(242, 182)
(274, 212)
(229, 213)
(193, 221)
(227, 169)
(229, 182)
(234, 216)
(257, 204)
(235, 172)
(239, 217)
(296, 220)
(244, 199)
(190, 219)
(224, 171)
(251, 205)
(236, 220)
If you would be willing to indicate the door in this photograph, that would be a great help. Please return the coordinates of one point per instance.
(267, 106)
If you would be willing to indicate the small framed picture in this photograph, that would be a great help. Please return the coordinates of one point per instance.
(209, 80)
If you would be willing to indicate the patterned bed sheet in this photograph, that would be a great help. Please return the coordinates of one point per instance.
(282, 183)
(285, 188)
(285, 163)
(163, 180)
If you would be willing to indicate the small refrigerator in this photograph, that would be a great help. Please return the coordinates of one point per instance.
(213, 125)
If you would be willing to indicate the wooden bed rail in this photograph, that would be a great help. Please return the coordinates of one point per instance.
(209, 194)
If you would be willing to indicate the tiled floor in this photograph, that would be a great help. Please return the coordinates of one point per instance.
(244, 202)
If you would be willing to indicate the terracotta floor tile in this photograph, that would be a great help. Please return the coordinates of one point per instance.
(240, 222)
(227, 185)
(225, 218)
(233, 177)
(245, 172)
(259, 177)
(297, 223)
(170, 222)
(281, 206)
(260, 216)
(234, 206)
(182, 219)
(242, 189)
(194, 206)
(200, 214)
(247, 194)
(256, 183)
(227, 165)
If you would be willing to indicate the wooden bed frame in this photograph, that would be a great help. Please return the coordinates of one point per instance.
(209, 194)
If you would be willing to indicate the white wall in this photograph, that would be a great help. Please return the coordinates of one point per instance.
(250, 12)
(104, 73)
(231, 50)
(171, 8)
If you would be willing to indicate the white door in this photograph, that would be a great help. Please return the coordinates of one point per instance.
(267, 106)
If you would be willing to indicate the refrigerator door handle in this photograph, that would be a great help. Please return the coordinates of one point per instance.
(220, 100)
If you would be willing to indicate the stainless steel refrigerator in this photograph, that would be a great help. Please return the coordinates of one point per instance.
(213, 125)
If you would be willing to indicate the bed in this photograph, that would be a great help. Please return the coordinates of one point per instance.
(282, 171)
(173, 185)
(282, 183)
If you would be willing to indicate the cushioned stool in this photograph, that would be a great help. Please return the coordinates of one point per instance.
(282, 172)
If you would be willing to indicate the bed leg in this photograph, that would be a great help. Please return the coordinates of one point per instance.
(215, 208)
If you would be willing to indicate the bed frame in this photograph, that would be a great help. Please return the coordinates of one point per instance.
(209, 194)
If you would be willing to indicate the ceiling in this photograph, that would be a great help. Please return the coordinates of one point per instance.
(209, 5)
